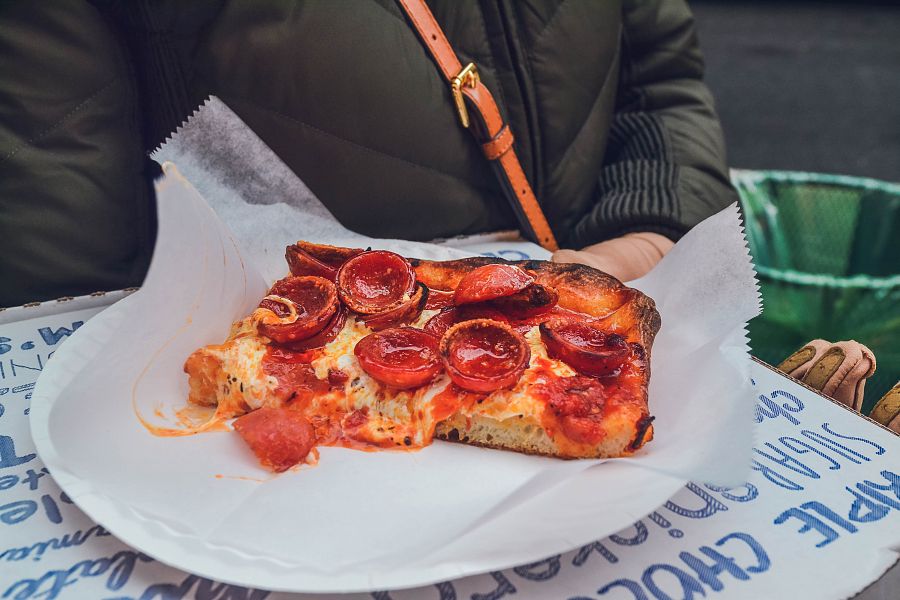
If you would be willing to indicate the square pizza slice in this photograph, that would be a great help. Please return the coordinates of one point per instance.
(371, 350)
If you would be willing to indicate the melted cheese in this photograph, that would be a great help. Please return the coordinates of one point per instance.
(393, 415)
(384, 417)
(242, 379)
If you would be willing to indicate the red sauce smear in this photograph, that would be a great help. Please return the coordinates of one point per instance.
(451, 400)
(576, 407)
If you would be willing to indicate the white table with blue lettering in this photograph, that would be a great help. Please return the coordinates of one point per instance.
(818, 519)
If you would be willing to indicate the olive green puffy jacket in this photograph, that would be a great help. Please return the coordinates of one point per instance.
(613, 125)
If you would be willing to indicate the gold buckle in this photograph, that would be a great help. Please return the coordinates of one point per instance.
(467, 77)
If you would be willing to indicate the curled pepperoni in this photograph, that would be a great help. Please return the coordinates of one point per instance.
(323, 337)
(444, 320)
(408, 311)
(401, 357)
(438, 299)
(490, 282)
(375, 282)
(300, 307)
(302, 262)
(441, 322)
(279, 437)
(484, 355)
(585, 348)
(470, 312)
(524, 324)
(534, 300)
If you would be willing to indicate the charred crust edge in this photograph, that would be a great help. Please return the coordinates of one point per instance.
(643, 426)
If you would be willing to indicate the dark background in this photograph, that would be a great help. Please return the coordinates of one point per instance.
(809, 86)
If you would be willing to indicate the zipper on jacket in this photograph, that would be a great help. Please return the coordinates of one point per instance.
(522, 76)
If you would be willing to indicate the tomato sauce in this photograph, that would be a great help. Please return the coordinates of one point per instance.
(296, 379)
(576, 408)
(451, 400)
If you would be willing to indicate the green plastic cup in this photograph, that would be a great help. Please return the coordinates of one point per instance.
(827, 252)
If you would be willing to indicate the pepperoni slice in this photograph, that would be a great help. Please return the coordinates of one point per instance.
(401, 357)
(375, 282)
(585, 348)
(536, 299)
(408, 311)
(470, 312)
(484, 355)
(279, 437)
(441, 322)
(524, 324)
(491, 281)
(323, 337)
(301, 307)
(302, 262)
(438, 299)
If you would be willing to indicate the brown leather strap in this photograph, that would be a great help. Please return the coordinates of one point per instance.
(499, 145)
(497, 142)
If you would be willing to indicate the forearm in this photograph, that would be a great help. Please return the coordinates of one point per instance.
(625, 258)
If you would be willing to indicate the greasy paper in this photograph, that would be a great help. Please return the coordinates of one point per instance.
(221, 242)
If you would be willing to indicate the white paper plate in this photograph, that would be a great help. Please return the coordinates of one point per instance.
(598, 501)
(358, 521)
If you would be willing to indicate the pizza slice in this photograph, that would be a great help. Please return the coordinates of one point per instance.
(373, 351)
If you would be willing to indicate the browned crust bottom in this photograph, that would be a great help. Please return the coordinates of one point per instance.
(642, 433)
(469, 442)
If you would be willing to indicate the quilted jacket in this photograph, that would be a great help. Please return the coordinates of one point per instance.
(614, 127)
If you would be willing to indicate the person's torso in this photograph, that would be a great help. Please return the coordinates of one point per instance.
(346, 94)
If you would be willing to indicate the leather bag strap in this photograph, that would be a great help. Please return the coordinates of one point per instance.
(494, 136)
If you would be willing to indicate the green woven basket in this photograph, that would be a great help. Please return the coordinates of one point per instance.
(827, 251)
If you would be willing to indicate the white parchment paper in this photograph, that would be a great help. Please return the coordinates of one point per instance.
(376, 519)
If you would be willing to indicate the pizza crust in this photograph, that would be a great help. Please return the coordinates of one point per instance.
(618, 308)
(581, 288)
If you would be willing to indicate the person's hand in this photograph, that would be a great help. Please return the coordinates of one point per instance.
(887, 410)
(625, 258)
(837, 370)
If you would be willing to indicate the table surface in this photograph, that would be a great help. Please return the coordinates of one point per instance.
(761, 534)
